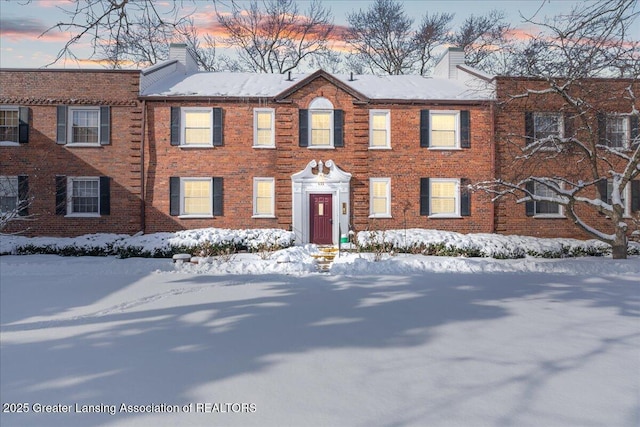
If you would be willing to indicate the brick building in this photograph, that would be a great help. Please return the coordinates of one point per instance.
(70, 142)
(170, 148)
(319, 154)
(604, 121)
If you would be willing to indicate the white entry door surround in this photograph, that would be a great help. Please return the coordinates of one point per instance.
(328, 178)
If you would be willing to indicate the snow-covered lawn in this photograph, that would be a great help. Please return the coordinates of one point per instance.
(406, 341)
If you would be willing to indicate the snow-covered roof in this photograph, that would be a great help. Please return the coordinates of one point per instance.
(251, 85)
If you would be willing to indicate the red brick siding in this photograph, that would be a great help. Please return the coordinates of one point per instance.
(42, 159)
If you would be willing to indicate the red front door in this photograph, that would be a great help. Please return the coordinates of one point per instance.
(321, 219)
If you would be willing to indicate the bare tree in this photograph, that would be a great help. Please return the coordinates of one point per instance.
(15, 200)
(480, 37)
(382, 37)
(274, 36)
(103, 23)
(148, 43)
(431, 35)
(585, 156)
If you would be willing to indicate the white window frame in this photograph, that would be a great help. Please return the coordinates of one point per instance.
(626, 193)
(183, 127)
(456, 195)
(560, 124)
(627, 130)
(7, 143)
(560, 213)
(9, 188)
(387, 213)
(183, 193)
(321, 105)
(271, 181)
(456, 114)
(387, 114)
(70, 140)
(256, 112)
(70, 181)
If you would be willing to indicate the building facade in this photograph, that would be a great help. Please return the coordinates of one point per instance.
(170, 148)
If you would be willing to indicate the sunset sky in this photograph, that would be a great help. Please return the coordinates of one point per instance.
(22, 23)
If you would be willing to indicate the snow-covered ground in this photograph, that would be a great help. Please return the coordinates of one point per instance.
(406, 341)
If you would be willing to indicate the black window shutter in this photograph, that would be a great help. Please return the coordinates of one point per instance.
(635, 196)
(23, 195)
(174, 196)
(530, 206)
(602, 129)
(338, 128)
(602, 189)
(217, 196)
(61, 195)
(175, 125)
(105, 125)
(568, 125)
(217, 133)
(465, 129)
(303, 128)
(424, 128)
(424, 196)
(465, 197)
(61, 134)
(23, 126)
(529, 127)
(105, 195)
(633, 121)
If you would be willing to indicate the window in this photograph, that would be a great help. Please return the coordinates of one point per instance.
(547, 125)
(379, 125)
(445, 130)
(9, 124)
(263, 197)
(379, 198)
(196, 127)
(543, 208)
(321, 126)
(607, 192)
(83, 196)
(195, 197)
(445, 197)
(83, 126)
(8, 193)
(263, 127)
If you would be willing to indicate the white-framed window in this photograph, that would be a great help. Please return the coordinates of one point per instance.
(625, 196)
(8, 193)
(379, 129)
(197, 124)
(84, 125)
(197, 197)
(618, 132)
(263, 197)
(83, 196)
(445, 129)
(9, 121)
(321, 123)
(264, 128)
(444, 197)
(546, 125)
(545, 208)
(379, 197)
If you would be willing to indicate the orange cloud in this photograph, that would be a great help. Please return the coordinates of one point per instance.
(30, 29)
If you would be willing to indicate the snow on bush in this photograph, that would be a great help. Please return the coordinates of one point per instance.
(201, 242)
(447, 243)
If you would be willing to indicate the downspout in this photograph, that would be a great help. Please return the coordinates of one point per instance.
(142, 173)
(493, 160)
